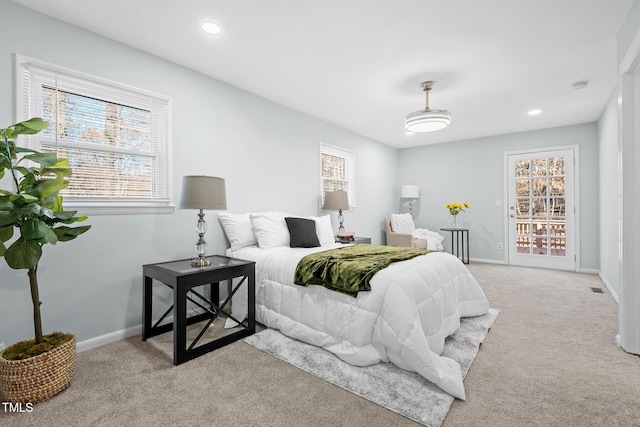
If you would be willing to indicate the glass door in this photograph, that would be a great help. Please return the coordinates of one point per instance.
(541, 209)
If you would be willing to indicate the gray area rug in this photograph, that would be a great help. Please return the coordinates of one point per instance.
(400, 391)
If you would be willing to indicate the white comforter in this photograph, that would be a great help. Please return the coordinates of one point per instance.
(412, 307)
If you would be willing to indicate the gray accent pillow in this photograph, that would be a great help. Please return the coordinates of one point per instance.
(302, 233)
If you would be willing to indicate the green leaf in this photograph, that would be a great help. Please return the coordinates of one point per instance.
(33, 229)
(6, 205)
(50, 186)
(69, 233)
(29, 127)
(2, 249)
(30, 209)
(23, 254)
(8, 218)
(25, 198)
(44, 159)
(6, 233)
(64, 215)
(24, 150)
(47, 212)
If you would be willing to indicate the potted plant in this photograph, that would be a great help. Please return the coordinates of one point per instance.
(31, 216)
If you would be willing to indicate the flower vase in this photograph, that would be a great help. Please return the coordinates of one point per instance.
(454, 223)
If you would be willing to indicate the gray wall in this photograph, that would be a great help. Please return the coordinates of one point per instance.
(609, 212)
(473, 171)
(268, 154)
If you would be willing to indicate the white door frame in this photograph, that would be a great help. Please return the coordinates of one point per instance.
(576, 190)
(629, 205)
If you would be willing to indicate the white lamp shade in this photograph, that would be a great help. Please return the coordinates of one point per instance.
(336, 200)
(203, 192)
(410, 192)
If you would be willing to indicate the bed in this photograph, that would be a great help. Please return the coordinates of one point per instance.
(412, 307)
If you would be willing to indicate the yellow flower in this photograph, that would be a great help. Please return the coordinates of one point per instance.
(456, 208)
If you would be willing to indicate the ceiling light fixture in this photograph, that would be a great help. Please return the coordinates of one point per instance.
(211, 28)
(534, 112)
(427, 120)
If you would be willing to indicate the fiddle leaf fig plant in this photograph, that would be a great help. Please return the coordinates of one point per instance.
(31, 212)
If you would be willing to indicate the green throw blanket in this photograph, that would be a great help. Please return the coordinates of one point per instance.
(349, 269)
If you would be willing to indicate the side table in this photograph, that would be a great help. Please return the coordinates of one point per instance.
(183, 278)
(459, 243)
(357, 241)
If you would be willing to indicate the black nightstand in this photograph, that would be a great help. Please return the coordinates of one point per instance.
(459, 243)
(183, 279)
(357, 241)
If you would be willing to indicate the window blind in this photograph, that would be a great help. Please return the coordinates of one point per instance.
(116, 137)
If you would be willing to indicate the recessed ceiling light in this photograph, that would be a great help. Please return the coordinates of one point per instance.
(211, 28)
(534, 112)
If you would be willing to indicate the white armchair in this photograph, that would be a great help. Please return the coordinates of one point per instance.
(401, 231)
(402, 237)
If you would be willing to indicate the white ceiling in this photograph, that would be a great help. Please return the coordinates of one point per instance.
(359, 63)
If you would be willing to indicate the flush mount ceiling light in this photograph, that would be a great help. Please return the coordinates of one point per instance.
(427, 120)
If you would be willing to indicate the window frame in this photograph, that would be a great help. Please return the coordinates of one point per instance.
(350, 171)
(31, 74)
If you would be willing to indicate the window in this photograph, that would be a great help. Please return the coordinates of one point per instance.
(116, 137)
(338, 171)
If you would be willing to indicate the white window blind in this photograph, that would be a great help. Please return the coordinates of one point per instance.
(337, 167)
(116, 137)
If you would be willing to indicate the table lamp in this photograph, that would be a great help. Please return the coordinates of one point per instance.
(202, 192)
(336, 201)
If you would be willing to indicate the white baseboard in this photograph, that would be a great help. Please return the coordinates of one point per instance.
(108, 338)
(608, 285)
(588, 271)
(122, 334)
(487, 261)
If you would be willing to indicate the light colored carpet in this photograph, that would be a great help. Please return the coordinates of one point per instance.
(403, 392)
(549, 360)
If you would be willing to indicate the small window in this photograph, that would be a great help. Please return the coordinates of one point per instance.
(337, 171)
(116, 137)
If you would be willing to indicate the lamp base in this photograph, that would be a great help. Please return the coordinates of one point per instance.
(200, 262)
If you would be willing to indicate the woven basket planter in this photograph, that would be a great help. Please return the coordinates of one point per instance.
(40, 377)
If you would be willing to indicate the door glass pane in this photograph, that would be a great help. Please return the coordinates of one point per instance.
(539, 207)
(557, 207)
(557, 228)
(539, 186)
(539, 167)
(540, 246)
(523, 226)
(539, 227)
(556, 166)
(558, 247)
(522, 187)
(523, 245)
(522, 168)
(557, 187)
(523, 207)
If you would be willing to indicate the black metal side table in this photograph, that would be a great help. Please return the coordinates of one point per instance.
(183, 278)
(459, 243)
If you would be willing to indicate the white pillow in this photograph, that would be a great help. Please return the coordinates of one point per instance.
(402, 223)
(270, 229)
(238, 229)
(324, 229)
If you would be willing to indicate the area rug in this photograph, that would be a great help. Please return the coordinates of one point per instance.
(403, 392)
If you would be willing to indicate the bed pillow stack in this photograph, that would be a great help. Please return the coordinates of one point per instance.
(271, 229)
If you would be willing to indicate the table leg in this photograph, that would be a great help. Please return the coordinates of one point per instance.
(179, 324)
(147, 309)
